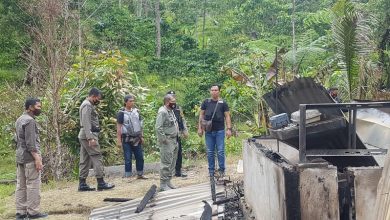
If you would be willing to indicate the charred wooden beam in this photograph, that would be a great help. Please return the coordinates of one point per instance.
(116, 199)
(149, 195)
(207, 212)
(213, 192)
(222, 201)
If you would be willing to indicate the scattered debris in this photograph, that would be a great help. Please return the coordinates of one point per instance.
(149, 195)
(232, 207)
(207, 212)
(116, 199)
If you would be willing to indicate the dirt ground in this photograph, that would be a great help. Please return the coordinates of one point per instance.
(61, 200)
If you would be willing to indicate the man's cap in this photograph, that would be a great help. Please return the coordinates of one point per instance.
(171, 92)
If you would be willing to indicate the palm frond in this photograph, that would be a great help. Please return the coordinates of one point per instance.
(351, 36)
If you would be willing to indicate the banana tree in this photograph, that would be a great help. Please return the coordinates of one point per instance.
(252, 72)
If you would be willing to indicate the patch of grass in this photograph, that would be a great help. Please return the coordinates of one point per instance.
(7, 168)
(7, 172)
(11, 75)
(5, 191)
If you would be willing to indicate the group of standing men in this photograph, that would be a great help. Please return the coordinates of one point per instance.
(170, 128)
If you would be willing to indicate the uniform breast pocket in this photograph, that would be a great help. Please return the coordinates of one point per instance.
(171, 122)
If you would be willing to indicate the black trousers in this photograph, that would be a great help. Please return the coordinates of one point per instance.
(179, 158)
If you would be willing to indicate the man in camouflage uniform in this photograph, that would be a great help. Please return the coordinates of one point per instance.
(90, 154)
(29, 163)
(183, 133)
(167, 131)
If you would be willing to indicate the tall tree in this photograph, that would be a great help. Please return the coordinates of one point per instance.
(158, 28)
(53, 38)
(204, 23)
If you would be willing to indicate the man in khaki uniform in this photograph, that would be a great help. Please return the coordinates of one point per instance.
(29, 163)
(183, 133)
(167, 131)
(90, 154)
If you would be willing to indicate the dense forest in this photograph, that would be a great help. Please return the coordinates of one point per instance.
(58, 49)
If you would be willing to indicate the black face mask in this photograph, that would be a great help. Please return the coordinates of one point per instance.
(172, 105)
(97, 102)
(37, 112)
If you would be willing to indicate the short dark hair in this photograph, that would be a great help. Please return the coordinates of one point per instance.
(94, 92)
(31, 102)
(218, 86)
(128, 97)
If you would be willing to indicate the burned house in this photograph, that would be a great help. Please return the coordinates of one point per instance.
(316, 167)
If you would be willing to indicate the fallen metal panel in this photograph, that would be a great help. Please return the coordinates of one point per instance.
(300, 91)
(182, 203)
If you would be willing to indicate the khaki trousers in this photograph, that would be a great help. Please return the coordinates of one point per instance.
(90, 157)
(28, 189)
(168, 154)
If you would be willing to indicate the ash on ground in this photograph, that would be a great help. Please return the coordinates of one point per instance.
(234, 191)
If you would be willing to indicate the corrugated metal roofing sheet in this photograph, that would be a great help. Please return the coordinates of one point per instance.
(182, 203)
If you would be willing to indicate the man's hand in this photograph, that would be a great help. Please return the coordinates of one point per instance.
(92, 142)
(38, 164)
(200, 132)
(229, 133)
(119, 142)
(142, 141)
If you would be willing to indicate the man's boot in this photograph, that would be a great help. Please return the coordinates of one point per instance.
(83, 186)
(180, 174)
(21, 216)
(170, 185)
(103, 185)
(37, 216)
(164, 186)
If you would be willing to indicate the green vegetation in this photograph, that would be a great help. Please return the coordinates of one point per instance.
(112, 45)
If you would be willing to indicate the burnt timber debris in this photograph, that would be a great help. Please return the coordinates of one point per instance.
(116, 199)
(148, 196)
(207, 212)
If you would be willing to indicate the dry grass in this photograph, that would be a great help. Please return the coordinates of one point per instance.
(62, 200)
